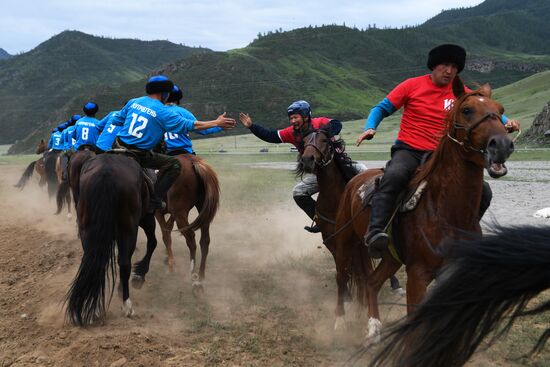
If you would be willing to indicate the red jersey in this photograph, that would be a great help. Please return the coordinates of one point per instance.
(425, 107)
(287, 134)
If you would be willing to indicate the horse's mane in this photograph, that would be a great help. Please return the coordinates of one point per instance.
(437, 156)
(488, 283)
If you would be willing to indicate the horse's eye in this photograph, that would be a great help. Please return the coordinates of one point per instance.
(466, 111)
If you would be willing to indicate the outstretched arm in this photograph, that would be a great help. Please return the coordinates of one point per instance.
(376, 115)
(268, 135)
(221, 121)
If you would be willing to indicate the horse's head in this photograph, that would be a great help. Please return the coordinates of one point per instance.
(41, 146)
(318, 151)
(476, 124)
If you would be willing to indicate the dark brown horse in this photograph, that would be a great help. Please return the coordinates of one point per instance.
(326, 158)
(197, 186)
(112, 201)
(35, 166)
(486, 286)
(475, 139)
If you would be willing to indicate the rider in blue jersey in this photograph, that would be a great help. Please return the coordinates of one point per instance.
(108, 135)
(144, 121)
(87, 129)
(72, 120)
(180, 143)
(55, 143)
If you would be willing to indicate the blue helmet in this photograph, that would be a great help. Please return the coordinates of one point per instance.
(158, 84)
(74, 119)
(175, 95)
(299, 107)
(90, 108)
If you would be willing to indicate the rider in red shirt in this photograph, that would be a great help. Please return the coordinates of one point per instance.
(301, 124)
(425, 100)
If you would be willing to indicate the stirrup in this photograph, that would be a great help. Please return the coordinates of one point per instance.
(314, 228)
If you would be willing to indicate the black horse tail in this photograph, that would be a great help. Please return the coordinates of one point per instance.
(62, 191)
(26, 175)
(484, 289)
(97, 214)
(210, 194)
(51, 176)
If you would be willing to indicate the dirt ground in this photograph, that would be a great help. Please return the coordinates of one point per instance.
(269, 294)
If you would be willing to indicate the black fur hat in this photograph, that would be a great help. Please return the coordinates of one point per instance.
(447, 53)
(158, 84)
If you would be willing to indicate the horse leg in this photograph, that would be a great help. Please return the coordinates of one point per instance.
(127, 245)
(418, 279)
(383, 271)
(205, 245)
(68, 201)
(142, 267)
(342, 258)
(189, 235)
(166, 228)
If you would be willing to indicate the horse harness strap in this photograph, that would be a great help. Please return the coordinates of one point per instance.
(327, 159)
(469, 131)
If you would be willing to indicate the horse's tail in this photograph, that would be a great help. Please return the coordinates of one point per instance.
(210, 194)
(51, 175)
(62, 191)
(26, 175)
(486, 286)
(97, 214)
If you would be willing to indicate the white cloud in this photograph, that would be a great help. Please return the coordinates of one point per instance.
(220, 25)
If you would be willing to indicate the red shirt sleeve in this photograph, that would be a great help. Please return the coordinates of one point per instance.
(398, 96)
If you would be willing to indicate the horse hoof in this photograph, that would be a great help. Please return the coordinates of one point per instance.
(340, 324)
(373, 332)
(137, 281)
(198, 290)
(400, 291)
(127, 309)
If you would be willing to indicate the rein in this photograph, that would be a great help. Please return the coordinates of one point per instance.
(469, 131)
(328, 157)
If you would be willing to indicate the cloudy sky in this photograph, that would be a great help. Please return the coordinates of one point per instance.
(219, 25)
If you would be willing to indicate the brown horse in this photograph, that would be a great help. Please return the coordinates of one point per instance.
(197, 186)
(475, 139)
(35, 166)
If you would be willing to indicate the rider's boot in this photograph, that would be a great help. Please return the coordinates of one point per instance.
(376, 239)
(307, 204)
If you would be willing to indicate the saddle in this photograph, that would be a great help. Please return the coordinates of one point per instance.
(406, 202)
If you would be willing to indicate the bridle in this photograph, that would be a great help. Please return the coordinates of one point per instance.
(467, 143)
(328, 156)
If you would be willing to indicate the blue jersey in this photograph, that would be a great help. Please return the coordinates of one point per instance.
(87, 131)
(56, 141)
(108, 135)
(68, 137)
(144, 120)
(181, 140)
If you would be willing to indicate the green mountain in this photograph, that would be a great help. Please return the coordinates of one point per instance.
(344, 71)
(38, 83)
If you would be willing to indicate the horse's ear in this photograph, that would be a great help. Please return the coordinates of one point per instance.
(42, 141)
(486, 90)
(458, 87)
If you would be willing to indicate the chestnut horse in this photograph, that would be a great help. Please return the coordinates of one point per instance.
(196, 186)
(35, 166)
(487, 284)
(475, 139)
